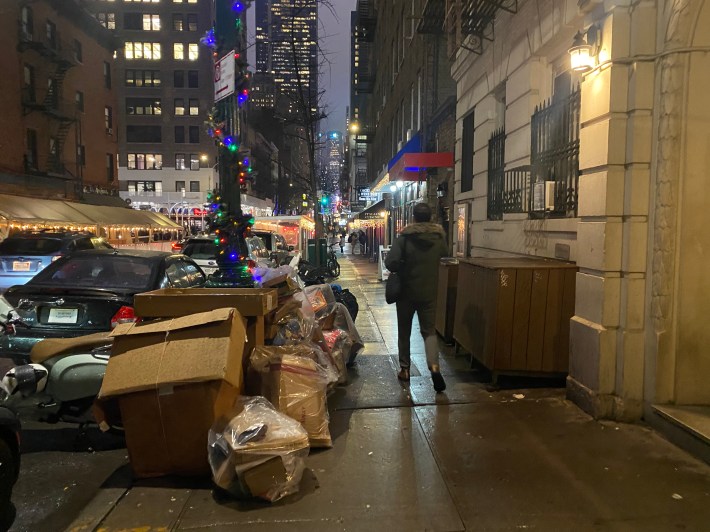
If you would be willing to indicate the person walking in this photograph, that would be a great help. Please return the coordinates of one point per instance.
(363, 242)
(342, 244)
(415, 257)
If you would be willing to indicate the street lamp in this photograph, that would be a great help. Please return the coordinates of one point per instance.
(354, 127)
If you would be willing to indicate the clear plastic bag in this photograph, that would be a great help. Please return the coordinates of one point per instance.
(297, 384)
(321, 296)
(257, 452)
(338, 317)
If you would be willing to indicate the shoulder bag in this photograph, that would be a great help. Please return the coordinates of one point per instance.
(393, 286)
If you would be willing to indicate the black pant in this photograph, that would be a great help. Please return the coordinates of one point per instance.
(426, 312)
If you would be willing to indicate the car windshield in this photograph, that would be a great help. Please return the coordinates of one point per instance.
(30, 246)
(99, 271)
(266, 239)
(204, 250)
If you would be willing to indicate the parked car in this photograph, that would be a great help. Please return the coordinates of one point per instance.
(9, 464)
(257, 250)
(278, 248)
(88, 292)
(203, 251)
(23, 255)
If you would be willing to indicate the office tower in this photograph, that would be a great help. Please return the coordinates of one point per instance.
(280, 23)
(165, 89)
(333, 161)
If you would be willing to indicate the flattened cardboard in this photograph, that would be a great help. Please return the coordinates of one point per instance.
(172, 302)
(198, 348)
(51, 347)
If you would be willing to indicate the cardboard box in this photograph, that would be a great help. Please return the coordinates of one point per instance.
(173, 302)
(172, 379)
(51, 347)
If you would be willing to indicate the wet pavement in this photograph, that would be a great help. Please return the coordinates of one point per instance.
(478, 457)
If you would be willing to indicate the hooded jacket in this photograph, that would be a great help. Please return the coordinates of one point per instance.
(415, 257)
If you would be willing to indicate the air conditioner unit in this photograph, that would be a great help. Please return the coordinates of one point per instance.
(109, 131)
(550, 195)
(399, 146)
(410, 134)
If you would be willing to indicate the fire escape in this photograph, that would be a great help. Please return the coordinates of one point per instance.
(56, 62)
(468, 23)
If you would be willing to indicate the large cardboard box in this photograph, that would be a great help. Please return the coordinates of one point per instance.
(172, 379)
(172, 302)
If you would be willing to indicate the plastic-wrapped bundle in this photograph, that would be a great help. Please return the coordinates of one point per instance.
(339, 346)
(320, 296)
(297, 385)
(338, 317)
(258, 452)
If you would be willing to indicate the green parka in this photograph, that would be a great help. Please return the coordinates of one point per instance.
(418, 263)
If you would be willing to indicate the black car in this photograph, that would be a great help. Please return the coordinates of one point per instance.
(88, 292)
(25, 254)
(9, 463)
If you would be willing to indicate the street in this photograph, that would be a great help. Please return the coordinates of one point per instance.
(478, 457)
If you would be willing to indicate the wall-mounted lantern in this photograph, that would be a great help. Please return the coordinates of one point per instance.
(583, 54)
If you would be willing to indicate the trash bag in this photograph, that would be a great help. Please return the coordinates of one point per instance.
(320, 296)
(346, 297)
(258, 451)
(339, 346)
(297, 385)
(339, 318)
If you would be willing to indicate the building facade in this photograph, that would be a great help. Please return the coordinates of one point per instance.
(163, 76)
(604, 165)
(57, 83)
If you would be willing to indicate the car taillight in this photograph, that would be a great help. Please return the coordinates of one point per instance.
(176, 246)
(124, 315)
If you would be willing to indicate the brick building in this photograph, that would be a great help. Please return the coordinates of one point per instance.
(57, 86)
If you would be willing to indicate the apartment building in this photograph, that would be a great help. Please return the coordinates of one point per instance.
(58, 88)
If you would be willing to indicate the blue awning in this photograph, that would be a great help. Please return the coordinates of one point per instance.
(413, 146)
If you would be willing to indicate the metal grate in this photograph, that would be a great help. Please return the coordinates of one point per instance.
(555, 154)
(496, 171)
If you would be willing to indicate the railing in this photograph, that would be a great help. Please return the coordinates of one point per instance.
(496, 174)
(555, 154)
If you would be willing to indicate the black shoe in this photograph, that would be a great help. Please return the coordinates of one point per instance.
(403, 374)
(438, 380)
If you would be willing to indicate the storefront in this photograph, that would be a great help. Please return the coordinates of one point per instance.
(373, 223)
(295, 229)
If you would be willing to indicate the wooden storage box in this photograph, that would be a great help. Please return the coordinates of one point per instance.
(446, 299)
(512, 315)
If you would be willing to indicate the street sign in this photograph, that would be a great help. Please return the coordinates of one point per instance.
(224, 77)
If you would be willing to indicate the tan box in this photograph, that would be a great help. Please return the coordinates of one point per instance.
(172, 302)
(172, 379)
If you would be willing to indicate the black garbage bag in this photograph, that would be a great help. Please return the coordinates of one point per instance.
(346, 297)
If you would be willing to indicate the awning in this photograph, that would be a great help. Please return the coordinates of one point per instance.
(25, 210)
(412, 166)
(373, 212)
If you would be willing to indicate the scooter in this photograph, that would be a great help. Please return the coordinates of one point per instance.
(61, 382)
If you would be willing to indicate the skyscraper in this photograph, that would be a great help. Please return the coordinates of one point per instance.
(279, 25)
(333, 162)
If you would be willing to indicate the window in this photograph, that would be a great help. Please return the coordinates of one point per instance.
(194, 165)
(107, 75)
(143, 106)
(141, 1)
(180, 165)
(178, 51)
(194, 107)
(142, 50)
(144, 134)
(178, 79)
(81, 154)
(179, 107)
(132, 21)
(110, 167)
(107, 20)
(183, 1)
(27, 23)
(79, 99)
(31, 154)
(145, 161)
(178, 22)
(193, 79)
(192, 22)
(142, 78)
(78, 53)
(193, 51)
(145, 188)
(29, 82)
(467, 153)
(179, 186)
(108, 119)
(179, 135)
(194, 134)
(151, 22)
(194, 186)
(51, 34)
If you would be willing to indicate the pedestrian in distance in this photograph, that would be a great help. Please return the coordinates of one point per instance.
(363, 242)
(342, 244)
(415, 257)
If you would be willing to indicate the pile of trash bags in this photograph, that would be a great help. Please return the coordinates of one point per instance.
(311, 341)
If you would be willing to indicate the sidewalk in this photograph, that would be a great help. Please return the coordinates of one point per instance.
(473, 458)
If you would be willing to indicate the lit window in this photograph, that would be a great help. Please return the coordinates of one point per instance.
(151, 22)
(142, 50)
(178, 51)
(193, 51)
(179, 107)
(194, 107)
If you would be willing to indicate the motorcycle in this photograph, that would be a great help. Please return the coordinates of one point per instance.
(61, 382)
